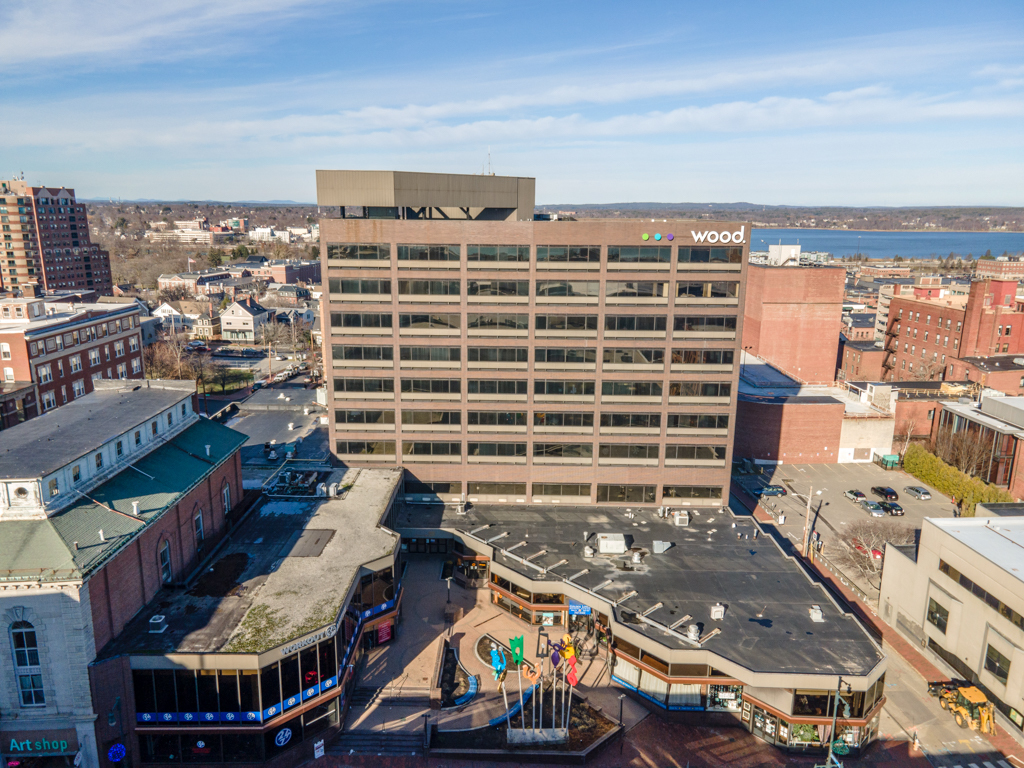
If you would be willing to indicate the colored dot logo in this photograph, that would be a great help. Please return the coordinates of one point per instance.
(670, 236)
(645, 236)
(251, 715)
(116, 753)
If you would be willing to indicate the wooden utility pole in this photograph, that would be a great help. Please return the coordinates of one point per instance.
(807, 523)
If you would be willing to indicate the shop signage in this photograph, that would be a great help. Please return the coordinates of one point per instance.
(384, 632)
(578, 609)
(318, 748)
(58, 742)
(719, 237)
(325, 633)
(547, 619)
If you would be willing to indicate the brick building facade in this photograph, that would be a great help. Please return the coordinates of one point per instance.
(47, 241)
(62, 348)
(793, 317)
(925, 335)
(92, 527)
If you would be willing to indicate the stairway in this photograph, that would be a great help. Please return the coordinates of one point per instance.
(391, 696)
(377, 743)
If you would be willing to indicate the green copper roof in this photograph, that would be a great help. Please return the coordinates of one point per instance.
(45, 549)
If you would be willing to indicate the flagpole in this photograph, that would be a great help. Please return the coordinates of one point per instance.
(540, 690)
(522, 712)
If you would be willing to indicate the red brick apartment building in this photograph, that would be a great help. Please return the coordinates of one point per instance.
(52, 352)
(859, 360)
(46, 240)
(793, 317)
(883, 270)
(925, 335)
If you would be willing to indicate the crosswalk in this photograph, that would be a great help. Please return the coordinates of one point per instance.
(985, 764)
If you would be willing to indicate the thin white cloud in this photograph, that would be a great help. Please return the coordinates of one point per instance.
(32, 33)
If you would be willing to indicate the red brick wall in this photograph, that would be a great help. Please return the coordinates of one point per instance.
(793, 433)
(123, 587)
(793, 317)
(916, 411)
(1005, 381)
(859, 364)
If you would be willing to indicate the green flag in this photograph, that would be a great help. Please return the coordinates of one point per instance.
(516, 644)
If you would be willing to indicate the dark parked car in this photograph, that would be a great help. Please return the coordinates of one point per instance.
(886, 493)
(892, 508)
(769, 490)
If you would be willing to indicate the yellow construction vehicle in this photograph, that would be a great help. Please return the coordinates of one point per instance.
(970, 708)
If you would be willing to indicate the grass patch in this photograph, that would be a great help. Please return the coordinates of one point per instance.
(226, 381)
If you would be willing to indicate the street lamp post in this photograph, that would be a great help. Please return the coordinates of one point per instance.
(832, 761)
(622, 730)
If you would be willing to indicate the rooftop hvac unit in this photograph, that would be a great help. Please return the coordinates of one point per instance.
(332, 489)
(682, 517)
(717, 612)
(660, 547)
(611, 543)
(321, 489)
(588, 551)
(637, 556)
(693, 632)
(157, 624)
(816, 615)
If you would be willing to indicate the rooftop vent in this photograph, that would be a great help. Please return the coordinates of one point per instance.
(693, 632)
(682, 517)
(660, 547)
(717, 612)
(816, 615)
(157, 624)
(611, 543)
(135, 508)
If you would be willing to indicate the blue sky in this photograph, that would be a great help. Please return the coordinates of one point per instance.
(804, 103)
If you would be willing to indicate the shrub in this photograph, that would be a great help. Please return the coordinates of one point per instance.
(930, 469)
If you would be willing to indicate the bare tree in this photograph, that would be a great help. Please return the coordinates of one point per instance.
(928, 370)
(904, 434)
(854, 555)
(965, 449)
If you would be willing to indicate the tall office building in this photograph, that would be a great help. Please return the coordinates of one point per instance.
(46, 241)
(500, 358)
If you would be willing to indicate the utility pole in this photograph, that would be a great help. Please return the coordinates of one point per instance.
(807, 523)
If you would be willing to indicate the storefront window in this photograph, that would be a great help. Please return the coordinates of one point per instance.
(804, 735)
(270, 685)
(206, 682)
(282, 737)
(812, 703)
(242, 747)
(290, 689)
(472, 569)
(185, 684)
(764, 725)
(514, 608)
(248, 690)
(160, 749)
(547, 618)
(654, 662)
(320, 718)
(327, 660)
(498, 581)
(227, 681)
(543, 598)
(724, 698)
(627, 648)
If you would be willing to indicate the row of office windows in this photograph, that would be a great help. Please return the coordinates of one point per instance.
(568, 254)
(540, 387)
(708, 289)
(576, 450)
(546, 322)
(605, 492)
(540, 419)
(995, 603)
(631, 356)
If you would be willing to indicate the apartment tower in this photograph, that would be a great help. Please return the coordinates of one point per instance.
(46, 241)
(501, 358)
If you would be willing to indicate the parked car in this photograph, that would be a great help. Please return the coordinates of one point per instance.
(874, 554)
(892, 508)
(249, 352)
(769, 490)
(886, 493)
(873, 508)
(196, 343)
(917, 492)
(201, 348)
(855, 496)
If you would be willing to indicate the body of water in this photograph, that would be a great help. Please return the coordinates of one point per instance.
(885, 245)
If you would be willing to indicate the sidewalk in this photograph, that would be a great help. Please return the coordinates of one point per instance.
(892, 641)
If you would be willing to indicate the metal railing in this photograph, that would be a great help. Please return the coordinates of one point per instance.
(843, 579)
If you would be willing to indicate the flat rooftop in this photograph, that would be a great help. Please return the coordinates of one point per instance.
(716, 559)
(55, 438)
(996, 363)
(761, 382)
(286, 571)
(1000, 540)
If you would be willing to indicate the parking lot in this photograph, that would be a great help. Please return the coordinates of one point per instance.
(831, 511)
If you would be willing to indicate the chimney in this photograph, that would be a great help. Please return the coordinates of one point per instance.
(135, 508)
(207, 450)
(102, 539)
